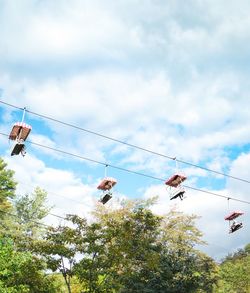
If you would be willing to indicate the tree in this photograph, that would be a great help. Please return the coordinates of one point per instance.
(109, 249)
(7, 184)
(247, 249)
(7, 191)
(25, 220)
(235, 275)
(60, 245)
(121, 243)
(20, 224)
(20, 272)
(234, 272)
(129, 249)
(30, 211)
(137, 251)
(181, 267)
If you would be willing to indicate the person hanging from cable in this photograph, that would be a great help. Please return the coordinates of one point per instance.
(235, 225)
(106, 185)
(174, 184)
(19, 134)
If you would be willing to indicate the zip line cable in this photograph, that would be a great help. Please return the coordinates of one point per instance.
(129, 171)
(10, 233)
(55, 194)
(126, 143)
(47, 226)
(38, 223)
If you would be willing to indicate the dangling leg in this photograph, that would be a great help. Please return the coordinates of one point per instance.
(17, 149)
(23, 151)
(106, 198)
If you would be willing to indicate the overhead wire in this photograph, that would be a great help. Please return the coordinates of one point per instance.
(38, 224)
(48, 226)
(121, 168)
(58, 195)
(55, 194)
(128, 170)
(33, 221)
(126, 143)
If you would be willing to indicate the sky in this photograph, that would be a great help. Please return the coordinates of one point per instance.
(166, 76)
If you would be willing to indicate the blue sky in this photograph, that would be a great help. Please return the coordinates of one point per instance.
(168, 76)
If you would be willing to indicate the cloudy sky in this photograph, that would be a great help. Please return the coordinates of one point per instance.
(167, 76)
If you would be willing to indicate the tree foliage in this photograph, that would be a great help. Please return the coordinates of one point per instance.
(180, 267)
(20, 269)
(7, 192)
(130, 249)
(234, 272)
(121, 250)
(7, 183)
(21, 272)
(122, 244)
(30, 210)
(60, 246)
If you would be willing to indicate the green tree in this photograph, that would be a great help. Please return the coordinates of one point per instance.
(109, 249)
(235, 275)
(137, 251)
(190, 269)
(181, 268)
(20, 272)
(7, 193)
(20, 219)
(129, 249)
(7, 185)
(234, 272)
(121, 243)
(30, 210)
(60, 245)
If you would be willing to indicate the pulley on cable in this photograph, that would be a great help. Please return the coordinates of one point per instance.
(175, 188)
(106, 186)
(19, 134)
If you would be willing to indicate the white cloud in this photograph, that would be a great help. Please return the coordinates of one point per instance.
(212, 210)
(42, 139)
(51, 31)
(191, 125)
(66, 192)
(169, 77)
(240, 168)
